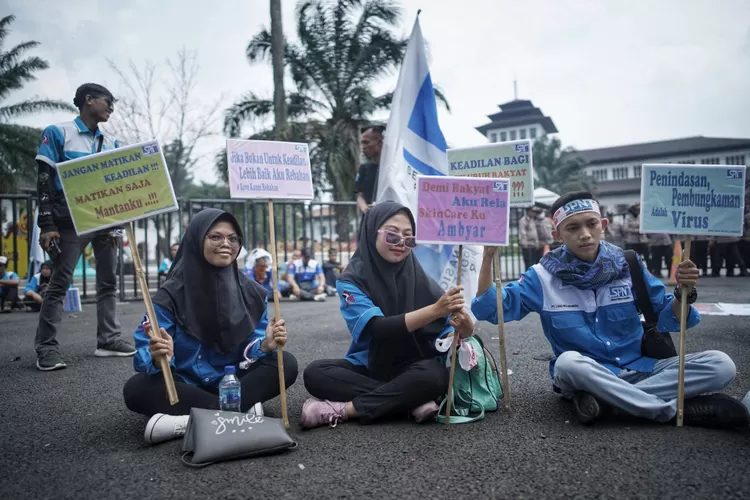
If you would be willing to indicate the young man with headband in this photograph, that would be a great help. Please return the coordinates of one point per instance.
(583, 294)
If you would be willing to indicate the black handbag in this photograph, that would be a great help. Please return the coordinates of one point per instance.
(655, 344)
(215, 436)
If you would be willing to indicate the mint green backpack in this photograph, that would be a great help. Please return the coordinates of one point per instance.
(475, 391)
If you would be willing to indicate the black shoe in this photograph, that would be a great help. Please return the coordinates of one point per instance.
(716, 410)
(588, 408)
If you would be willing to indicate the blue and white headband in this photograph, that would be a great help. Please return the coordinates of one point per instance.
(574, 207)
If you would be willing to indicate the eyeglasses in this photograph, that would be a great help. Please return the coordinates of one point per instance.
(395, 239)
(217, 240)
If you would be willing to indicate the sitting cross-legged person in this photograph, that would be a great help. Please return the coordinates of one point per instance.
(395, 313)
(583, 293)
(211, 316)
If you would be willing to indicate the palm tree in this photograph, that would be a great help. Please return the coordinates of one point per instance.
(277, 59)
(18, 143)
(557, 169)
(344, 47)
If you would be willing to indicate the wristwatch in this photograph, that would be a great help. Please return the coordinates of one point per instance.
(692, 296)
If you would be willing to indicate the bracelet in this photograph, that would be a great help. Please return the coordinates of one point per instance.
(692, 296)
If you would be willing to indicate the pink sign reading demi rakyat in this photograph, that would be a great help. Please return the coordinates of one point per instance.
(269, 169)
(462, 210)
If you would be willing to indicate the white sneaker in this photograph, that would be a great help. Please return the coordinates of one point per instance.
(162, 427)
(321, 297)
(293, 298)
(256, 410)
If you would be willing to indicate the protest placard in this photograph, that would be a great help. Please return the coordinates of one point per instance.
(117, 186)
(693, 199)
(462, 210)
(507, 160)
(269, 170)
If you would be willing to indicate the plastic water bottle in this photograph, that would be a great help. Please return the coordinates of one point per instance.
(229, 391)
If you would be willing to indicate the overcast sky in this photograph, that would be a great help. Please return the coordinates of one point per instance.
(607, 72)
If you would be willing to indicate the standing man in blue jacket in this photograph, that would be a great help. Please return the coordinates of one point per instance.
(68, 141)
(583, 294)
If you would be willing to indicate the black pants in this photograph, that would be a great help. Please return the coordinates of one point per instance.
(659, 254)
(9, 296)
(640, 248)
(531, 256)
(699, 255)
(339, 380)
(147, 395)
(729, 252)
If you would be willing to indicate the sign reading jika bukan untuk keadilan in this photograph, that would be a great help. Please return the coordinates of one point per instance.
(113, 187)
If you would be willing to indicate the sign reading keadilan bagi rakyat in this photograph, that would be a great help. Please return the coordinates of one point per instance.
(117, 186)
(510, 160)
(462, 210)
(269, 169)
(693, 199)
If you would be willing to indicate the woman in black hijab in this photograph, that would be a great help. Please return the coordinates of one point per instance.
(211, 316)
(36, 288)
(395, 313)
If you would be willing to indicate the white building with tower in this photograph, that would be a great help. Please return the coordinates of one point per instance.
(617, 170)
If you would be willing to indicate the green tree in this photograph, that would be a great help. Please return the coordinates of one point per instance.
(557, 169)
(344, 48)
(18, 143)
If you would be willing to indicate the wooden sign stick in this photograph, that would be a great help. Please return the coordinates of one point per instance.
(683, 341)
(454, 345)
(155, 331)
(277, 315)
(501, 331)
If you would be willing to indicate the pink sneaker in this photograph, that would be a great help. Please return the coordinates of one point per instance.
(425, 411)
(316, 412)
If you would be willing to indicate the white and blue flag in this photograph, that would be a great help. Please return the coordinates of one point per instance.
(414, 145)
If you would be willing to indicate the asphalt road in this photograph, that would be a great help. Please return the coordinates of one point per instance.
(67, 434)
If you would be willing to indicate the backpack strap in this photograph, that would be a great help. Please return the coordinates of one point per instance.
(458, 419)
(642, 300)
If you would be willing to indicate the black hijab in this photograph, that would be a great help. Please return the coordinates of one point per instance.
(395, 288)
(42, 279)
(219, 306)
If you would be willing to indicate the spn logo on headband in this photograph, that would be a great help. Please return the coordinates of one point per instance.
(574, 207)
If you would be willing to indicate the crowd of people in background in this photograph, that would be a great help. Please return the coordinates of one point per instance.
(721, 252)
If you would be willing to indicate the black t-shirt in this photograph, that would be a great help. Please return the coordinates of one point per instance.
(367, 181)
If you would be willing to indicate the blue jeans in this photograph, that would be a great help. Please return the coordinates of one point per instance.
(647, 395)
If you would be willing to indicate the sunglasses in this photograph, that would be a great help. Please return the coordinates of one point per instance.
(109, 100)
(395, 239)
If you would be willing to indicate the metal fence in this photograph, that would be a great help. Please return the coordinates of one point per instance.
(319, 226)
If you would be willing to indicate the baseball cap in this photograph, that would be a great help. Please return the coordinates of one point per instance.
(3, 260)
